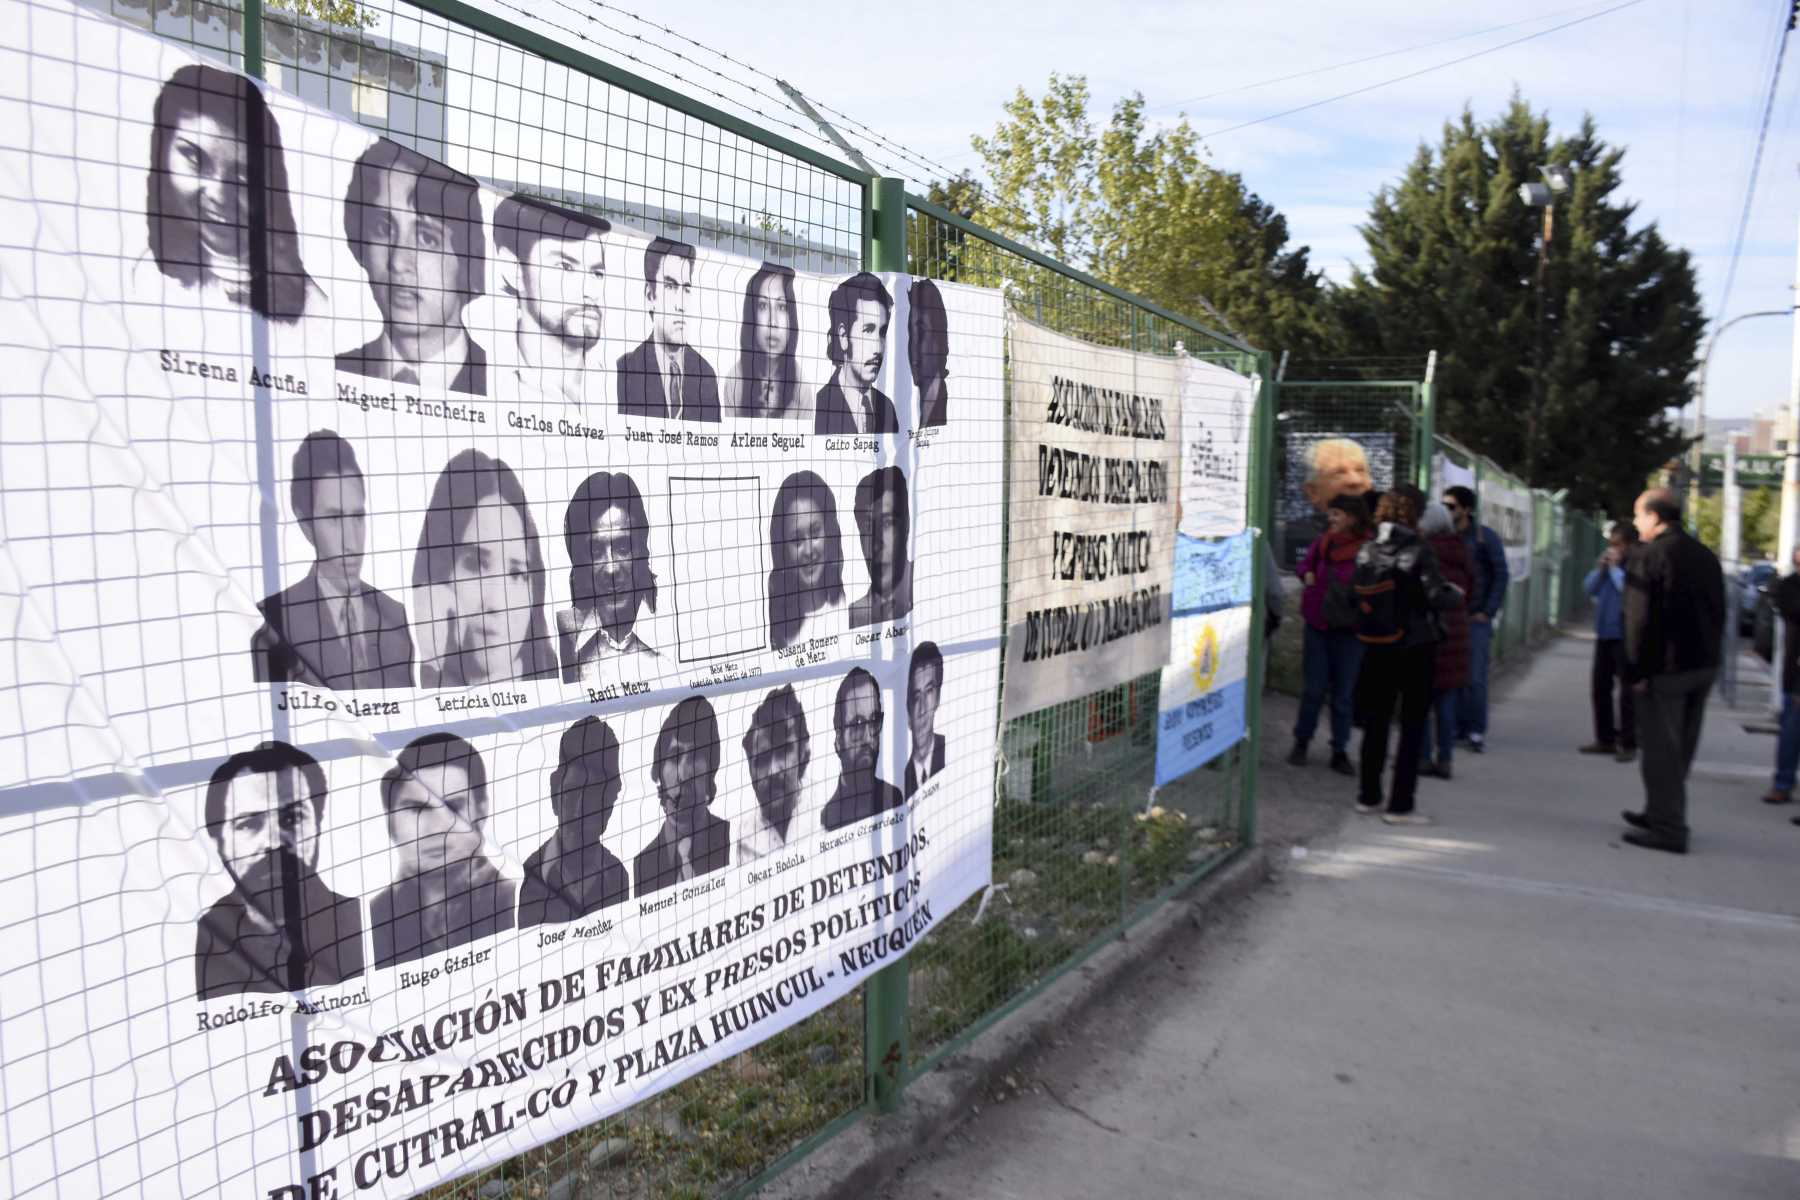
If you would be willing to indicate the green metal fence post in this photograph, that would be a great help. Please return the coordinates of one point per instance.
(1262, 450)
(886, 1041)
(1427, 435)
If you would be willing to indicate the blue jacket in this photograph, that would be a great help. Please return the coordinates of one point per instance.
(1607, 586)
(1487, 558)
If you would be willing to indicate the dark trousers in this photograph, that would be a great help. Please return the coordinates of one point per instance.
(1670, 713)
(1609, 675)
(1393, 675)
(1329, 664)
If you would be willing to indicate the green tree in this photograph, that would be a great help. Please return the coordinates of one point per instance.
(1144, 211)
(332, 12)
(1453, 260)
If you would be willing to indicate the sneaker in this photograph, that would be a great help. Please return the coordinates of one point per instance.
(1442, 770)
(1297, 756)
(1478, 743)
(1777, 795)
(1363, 810)
(1598, 748)
(1340, 762)
(1406, 818)
(1627, 754)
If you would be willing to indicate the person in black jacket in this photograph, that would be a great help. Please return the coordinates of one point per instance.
(1785, 595)
(1397, 585)
(1674, 620)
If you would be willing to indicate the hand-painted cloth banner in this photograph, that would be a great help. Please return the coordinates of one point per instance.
(1096, 449)
(476, 663)
(1218, 408)
(1213, 573)
(1203, 691)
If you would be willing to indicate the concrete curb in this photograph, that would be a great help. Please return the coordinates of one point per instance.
(859, 1160)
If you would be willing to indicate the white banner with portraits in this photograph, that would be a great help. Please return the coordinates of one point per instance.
(1096, 446)
(1509, 512)
(474, 663)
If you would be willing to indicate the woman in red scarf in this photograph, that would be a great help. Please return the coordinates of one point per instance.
(1332, 654)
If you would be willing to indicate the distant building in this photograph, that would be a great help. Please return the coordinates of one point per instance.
(395, 89)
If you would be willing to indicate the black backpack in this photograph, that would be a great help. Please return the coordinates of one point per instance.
(1379, 607)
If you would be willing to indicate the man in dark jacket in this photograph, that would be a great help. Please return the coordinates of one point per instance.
(1674, 620)
(1487, 565)
(1785, 594)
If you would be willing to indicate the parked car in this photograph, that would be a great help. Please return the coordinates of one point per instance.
(1751, 581)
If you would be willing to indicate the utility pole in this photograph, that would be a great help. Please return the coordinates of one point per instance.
(1790, 471)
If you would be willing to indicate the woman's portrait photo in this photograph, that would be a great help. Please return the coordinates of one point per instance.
(766, 380)
(478, 580)
(806, 588)
(210, 130)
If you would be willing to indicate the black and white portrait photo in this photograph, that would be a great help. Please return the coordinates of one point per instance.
(928, 350)
(553, 264)
(279, 929)
(572, 875)
(857, 345)
(778, 751)
(478, 580)
(207, 126)
(765, 380)
(414, 226)
(856, 720)
(924, 689)
(445, 892)
(806, 584)
(606, 531)
(665, 376)
(884, 524)
(331, 629)
(692, 841)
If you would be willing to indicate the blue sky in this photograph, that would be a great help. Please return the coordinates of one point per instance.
(1679, 83)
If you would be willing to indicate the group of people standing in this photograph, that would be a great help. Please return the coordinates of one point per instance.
(1400, 598)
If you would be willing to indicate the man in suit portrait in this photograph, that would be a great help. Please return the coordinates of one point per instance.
(928, 351)
(857, 344)
(331, 629)
(664, 376)
(553, 262)
(884, 524)
(414, 226)
(778, 750)
(279, 929)
(445, 893)
(572, 874)
(692, 842)
(924, 688)
(606, 530)
(856, 721)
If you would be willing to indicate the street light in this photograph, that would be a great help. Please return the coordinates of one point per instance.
(1557, 180)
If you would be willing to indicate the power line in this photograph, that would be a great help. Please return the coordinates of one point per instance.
(1357, 62)
(1762, 136)
(1421, 71)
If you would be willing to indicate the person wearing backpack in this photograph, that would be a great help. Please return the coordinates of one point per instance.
(1331, 654)
(1450, 665)
(1399, 592)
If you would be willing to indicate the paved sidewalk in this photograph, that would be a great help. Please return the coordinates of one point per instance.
(1508, 1003)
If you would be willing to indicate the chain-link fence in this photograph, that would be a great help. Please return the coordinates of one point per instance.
(528, 101)
(1083, 840)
